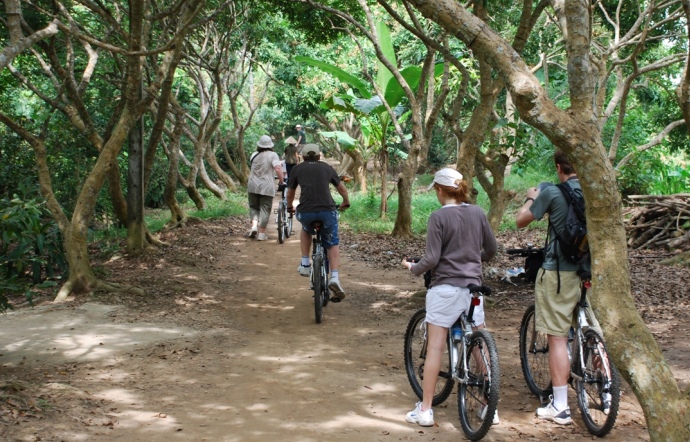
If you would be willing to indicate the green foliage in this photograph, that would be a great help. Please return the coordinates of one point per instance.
(30, 247)
(656, 173)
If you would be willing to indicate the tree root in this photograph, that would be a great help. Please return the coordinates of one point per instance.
(152, 240)
(96, 284)
(183, 222)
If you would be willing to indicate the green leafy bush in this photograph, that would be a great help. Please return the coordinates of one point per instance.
(30, 247)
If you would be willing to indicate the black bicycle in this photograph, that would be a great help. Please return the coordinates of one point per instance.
(284, 218)
(470, 359)
(319, 272)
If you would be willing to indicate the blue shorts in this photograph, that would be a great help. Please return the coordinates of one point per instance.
(329, 230)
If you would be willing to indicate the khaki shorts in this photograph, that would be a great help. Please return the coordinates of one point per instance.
(445, 303)
(554, 311)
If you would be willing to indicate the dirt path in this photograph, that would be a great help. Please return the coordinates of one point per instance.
(225, 348)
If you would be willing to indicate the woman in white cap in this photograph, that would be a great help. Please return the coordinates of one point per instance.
(458, 239)
(264, 163)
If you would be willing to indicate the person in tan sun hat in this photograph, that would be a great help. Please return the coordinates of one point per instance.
(264, 163)
(291, 155)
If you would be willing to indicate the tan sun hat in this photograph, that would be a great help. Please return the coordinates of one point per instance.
(265, 142)
(290, 140)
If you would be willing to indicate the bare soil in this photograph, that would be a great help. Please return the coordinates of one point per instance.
(224, 347)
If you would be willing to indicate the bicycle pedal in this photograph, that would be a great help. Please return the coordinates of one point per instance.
(334, 299)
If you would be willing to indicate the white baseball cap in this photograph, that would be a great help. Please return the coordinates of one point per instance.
(311, 150)
(447, 177)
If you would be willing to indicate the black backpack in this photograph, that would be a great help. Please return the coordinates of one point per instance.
(573, 239)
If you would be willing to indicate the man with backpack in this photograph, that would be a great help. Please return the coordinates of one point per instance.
(557, 288)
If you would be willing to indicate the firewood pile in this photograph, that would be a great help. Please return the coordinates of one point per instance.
(658, 221)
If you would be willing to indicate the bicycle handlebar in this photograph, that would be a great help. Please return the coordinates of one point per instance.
(525, 252)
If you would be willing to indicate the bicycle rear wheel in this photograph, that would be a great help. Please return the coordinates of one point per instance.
(415, 357)
(317, 280)
(478, 394)
(534, 357)
(598, 390)
(281, 222)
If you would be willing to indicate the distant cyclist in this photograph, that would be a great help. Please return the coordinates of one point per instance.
(316, 204)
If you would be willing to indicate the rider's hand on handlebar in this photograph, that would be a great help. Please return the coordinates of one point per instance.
(343, 206)
(281, 187)
(291, 209)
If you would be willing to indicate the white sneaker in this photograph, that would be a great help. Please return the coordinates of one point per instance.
(417, 416)
(482, 414)
(337, 290)
(550, 413)
(304, 270)
(262, 237)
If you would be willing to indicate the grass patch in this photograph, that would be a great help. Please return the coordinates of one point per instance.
(155, 219)
(364, 216)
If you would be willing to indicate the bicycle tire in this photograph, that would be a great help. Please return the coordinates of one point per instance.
(590, 387)
(478, 396)
(288, 227)
(415, 338)
(318, 289)
(281, 222)
(534, 356)
(326, 294)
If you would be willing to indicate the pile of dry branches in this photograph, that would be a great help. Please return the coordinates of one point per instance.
(659, 221)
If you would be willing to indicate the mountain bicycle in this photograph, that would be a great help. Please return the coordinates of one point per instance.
(319, 272)
(592, 374)
(284, 218)
(470, 359)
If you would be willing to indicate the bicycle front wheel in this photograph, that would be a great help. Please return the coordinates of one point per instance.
(598, 389)
(534, 356)
(415, 357)
(478, 391)
(281, 222)
(288, 226)
(317, 281)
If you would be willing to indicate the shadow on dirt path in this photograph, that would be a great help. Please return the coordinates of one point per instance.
(224, 347)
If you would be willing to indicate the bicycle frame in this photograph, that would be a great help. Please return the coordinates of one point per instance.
(580, 317)
(466, 322)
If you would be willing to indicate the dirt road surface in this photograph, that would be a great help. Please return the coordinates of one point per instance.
(224, 347)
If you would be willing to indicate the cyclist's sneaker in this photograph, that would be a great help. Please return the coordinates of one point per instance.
(482, 414)
(417, 416)
(550, 413)
(304, 270)
(252, 233)
(337, 290)
(262, 237)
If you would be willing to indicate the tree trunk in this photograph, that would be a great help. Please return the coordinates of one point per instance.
(357, 168)
(383, 212)
(178, 217)
(576, 132)
(222, 176)
(136, 229)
